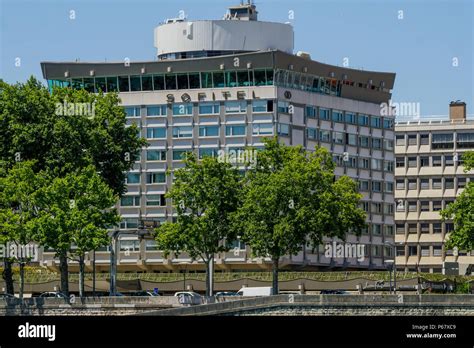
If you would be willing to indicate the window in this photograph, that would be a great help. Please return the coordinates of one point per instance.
(364, 206)
(259, 76)
(209, 109)
(237, 130)
(132, 111)
(100, 84)
(364, 163)
(338, 138)
(283, 107)
(337, 116)
(437, 184)
(448, 183)
(183, 109)
(351, 118)
(388, 144)
(208, 131)
(412, 163)
(133, 178)
(323, 114)
(448, 161)
(400, 206)
(364, 185)
(437, 228)
(442, 141)
(400, 250)
(135, 83)
(425, 250)
(230, 78)
(194, 82)
(424, 161)
(312, 133)
(425, 206)
(465, 140)
(155, 178)
(376, 229)
(437, 250)
(158, 110)
(325, 135)
(283, 129)
(235, 107)
(376, 250)
(389, 230)
(112, 85)
(412, 206)
(424, 184)
(411, 139)
(123, 84)
(364, 141)
(377, 143)
(182, 81)
(363, 120)
(170, 81)
(412, 184)
(156, 155)
(375, 122)
(425, 227)
(388, 166)
(262, 129)
(387, 123)
(129, 223)
(436, 161)
(400, 140)
(310, 111)
(158, 82)
(400, 162)
(412, 250)
(376, 186)
(130, 201)
(400, 184)
(388, 187)
(262, 106)
(377, 208)
(377, 164)
(449, 227)
(424, 139)
(400, 228)
(388, 209)
(156, 133)
(461, 183)
(129, 245)
(207, 153)
(182, 132)
(437, 205)
(218, 80)
(179, 155)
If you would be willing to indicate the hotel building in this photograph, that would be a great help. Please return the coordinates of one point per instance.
(429, 174)
(225, 85)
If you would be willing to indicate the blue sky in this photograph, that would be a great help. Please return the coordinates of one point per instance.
(420, 48)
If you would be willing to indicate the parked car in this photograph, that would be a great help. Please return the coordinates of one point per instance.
(7, 296)
(255, 291)
(188, 297)
(333, 292)
(226, 293)
(144, 293)
(53, 294)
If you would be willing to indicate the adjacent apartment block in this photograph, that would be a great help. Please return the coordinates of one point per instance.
(225, 85)
(429, 174)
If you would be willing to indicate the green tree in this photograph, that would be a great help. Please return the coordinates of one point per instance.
(18, 214)
(462, 213)
(36, 125)
(205, 194)
(74, 215)
(292, 198)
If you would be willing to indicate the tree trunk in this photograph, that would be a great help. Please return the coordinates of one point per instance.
(22, 279)
(208, 277)
(81, 276)
(7, 276)
(63, 267)
(275, 263)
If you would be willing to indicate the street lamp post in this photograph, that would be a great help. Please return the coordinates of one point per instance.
(393, 266)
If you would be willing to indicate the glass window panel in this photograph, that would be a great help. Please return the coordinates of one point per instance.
(206, 80)
(147, 83)
(156, 133)
(112, 85)
(218, 79)
(269, 73)
(77, 83)
(158, 82)
(231, 79)
(243, 78)
(100, 84)
(170, 81)
(260, 77)
(135, 83)
(183, 81)
(235, 107)
(182, 109)
(194, 81)
(123, 84)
